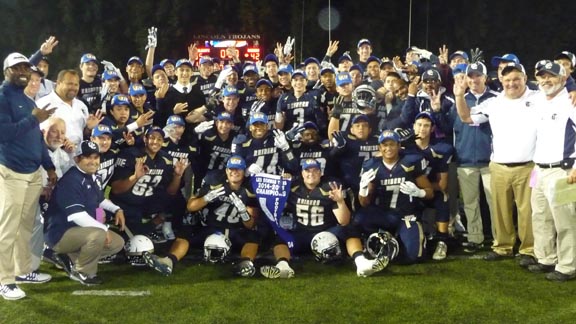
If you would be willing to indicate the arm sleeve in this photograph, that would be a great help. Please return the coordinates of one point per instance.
(82, 219)
(108, 205)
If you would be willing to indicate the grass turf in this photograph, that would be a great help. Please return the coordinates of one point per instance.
(454, 291)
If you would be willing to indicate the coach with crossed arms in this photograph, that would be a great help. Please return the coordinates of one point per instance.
(22, 152)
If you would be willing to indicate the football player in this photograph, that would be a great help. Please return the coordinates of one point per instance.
(102, 135)
(230, 102)
(265, 101)
(344, 108)
(90, 83)
(123, 128)
(230, 213)
(297, 107)
(206, 79)
(320, 213)
(307, 144)
(387, 189)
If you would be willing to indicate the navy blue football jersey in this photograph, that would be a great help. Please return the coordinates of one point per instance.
(214, 150)
(318, 151)
(387, 182)
(438, 155)
(106, 168)
(298, 110)
(264, 153)
(313, 210)
(351, 157)
(206, 85)
(266, 107)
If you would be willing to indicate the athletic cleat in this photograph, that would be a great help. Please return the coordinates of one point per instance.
(162, 265)
(285, 270)
(270, 272)
(244, 268)
(34, 277)
(155, 238)
(85, 279)
(440, 252)
(365, 267)
(11, 292)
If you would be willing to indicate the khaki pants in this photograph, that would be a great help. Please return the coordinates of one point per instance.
(554, 226)
(85, 246)
(509, 185)
(19, 194)
(469, 180)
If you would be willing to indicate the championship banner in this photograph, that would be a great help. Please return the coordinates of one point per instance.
(272, 192)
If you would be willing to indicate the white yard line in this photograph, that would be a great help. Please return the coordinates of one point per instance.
(130, 293)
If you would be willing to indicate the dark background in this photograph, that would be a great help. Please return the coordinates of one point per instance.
(116, 30)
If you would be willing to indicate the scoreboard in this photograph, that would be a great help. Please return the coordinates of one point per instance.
(246, 46)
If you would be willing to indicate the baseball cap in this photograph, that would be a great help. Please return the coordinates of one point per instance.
(425, 114)
(373, 59)
(87, 148)
(459, 53)
(270, 58)
(205, 59)
(285, 68)
(236, 162)
(360, 118)
(230, 91)
(388, 134)
(552, 68)
(299, 72)
(363, 41)
(225, 116)
(45, 58)
(155, 129)
(181, 62)
(310, 125)
(326, 69)
(215, 60)
(157, 67)
(357, 68)
(264, 82)
(15, 58)
(35, 69)
(258, 117)
(249, 68)
(175, 120)
(109, 74)
(476, 68)
(88, 57)
(134, 59)
(459, 68)
(309, 164)
(505, 58)
(101, 129)
(166, 61)
(311, 60)
(120, 99)
(344, 57)
(567, 55)
(343, 78)
(136, 89)
(431, 74)
(513, 66)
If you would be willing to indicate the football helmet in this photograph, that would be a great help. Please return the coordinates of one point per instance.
(135, 248)
(364, 96)
(325, 247)
(382, 244)
(216, 248)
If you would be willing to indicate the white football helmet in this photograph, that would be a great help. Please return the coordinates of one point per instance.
(216, 248)
(364, 96)
(325, 247)
(135, 247)
(382, 244)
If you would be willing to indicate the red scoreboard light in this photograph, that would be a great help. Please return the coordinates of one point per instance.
(245, 46)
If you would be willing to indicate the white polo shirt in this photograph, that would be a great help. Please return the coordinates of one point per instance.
(556, 128)
(74, 116)
(513, 124)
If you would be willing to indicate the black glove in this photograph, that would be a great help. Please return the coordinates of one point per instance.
(338, 139)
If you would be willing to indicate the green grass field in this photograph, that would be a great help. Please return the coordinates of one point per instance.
(458, 290)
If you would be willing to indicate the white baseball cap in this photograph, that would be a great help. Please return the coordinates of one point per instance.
(15, 58)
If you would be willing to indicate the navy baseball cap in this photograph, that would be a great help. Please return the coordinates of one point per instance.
(373, 59)
(264, 82)
(136, 89)
(236, 162)
(431, 74)
(388, 135)
(157, 67)
(567, 55)
(230, 91)
(513, 66)
(552, 68)
(362, 42)
(357, 68)
(181, 62)
(286, 69)
(343, 78)
(258, 117)
(309, 164)
(155, 129)
(299, 72)
(120, 99)
(101, 129)
(36, 70)
(134, 59)
(310, 125)
(326, 69)
(270, 58)
(459, 53)
(477, 68)
(344, 57)
(205, 59)
(166, 61)
(88, 57)
(108, 75)
(225, 116)
(87, 148)
(425, 114)
(311, 60)
(505, 58)
(175, 120)
(360, 118)
(249, 68)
